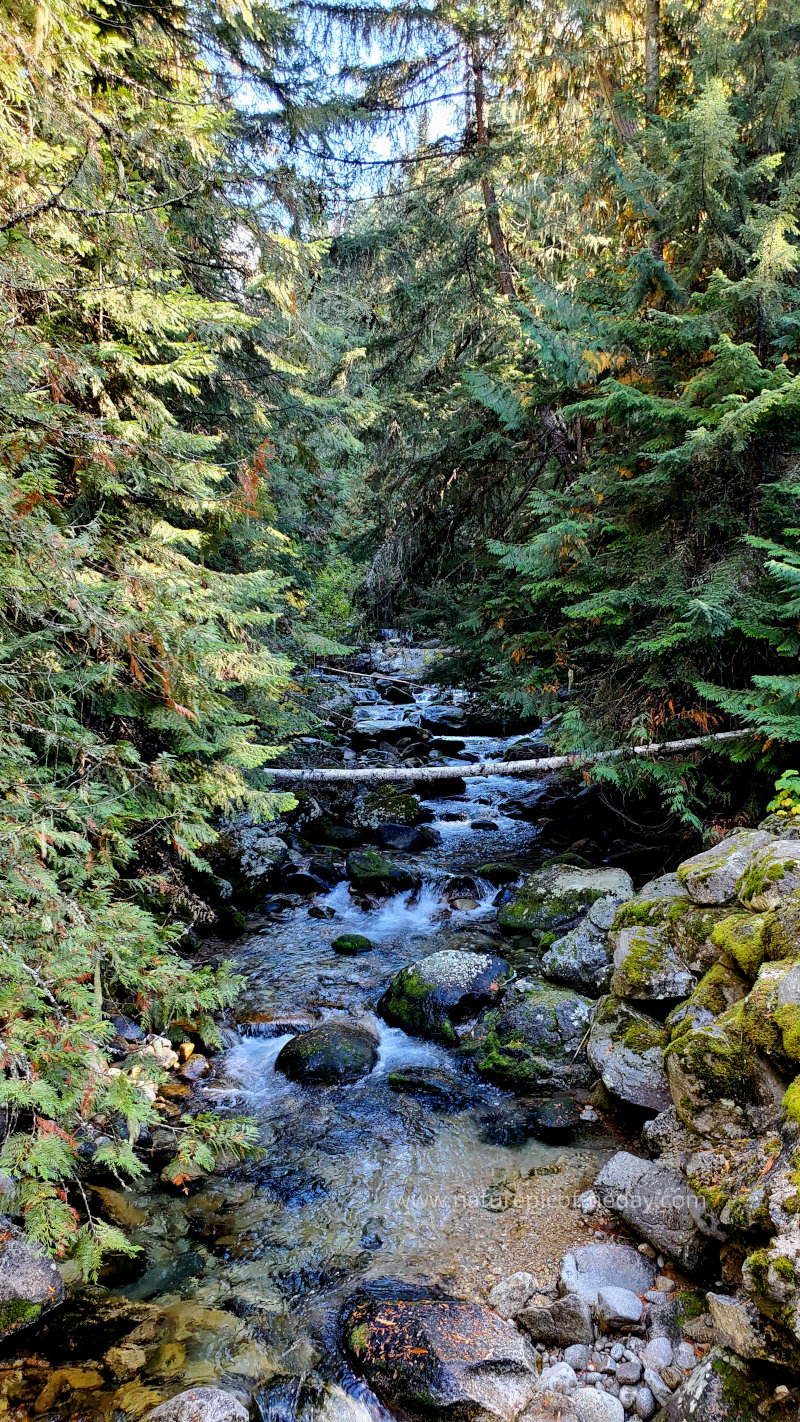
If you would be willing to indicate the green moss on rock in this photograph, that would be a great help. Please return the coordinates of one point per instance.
(742, 936)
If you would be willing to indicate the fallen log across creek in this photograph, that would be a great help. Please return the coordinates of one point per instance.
(480, 769)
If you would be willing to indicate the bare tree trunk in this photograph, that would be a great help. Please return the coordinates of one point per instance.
(652, 86)
(497, 237)
(498, 767)
(652, 56)
(626, 128)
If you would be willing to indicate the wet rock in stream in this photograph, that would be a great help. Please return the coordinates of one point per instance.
(432, 994)
(309, 1399)
(373, 873)
(329, 1055)
(534, 1039)
(441, 1357)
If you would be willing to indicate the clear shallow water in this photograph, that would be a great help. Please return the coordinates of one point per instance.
(361, 1182)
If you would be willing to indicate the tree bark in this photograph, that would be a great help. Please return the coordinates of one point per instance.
(497, 237)
(652, 56)
(625, 127)
(498, 767)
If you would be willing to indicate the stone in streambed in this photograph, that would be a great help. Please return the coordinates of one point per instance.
(440, 1358)
(626, 1048)
(30, 1284)
(724, 1388)
(595, 1266)
(557, 1119)
(331, 1054)
(658, 1204)
(533, 1039)
(564, 1321)
(310, 1399)
(617, 1308)
(581, 959)
(387, 806)
(351, 944)
(200, 1404)
(592, 1404)
(432, 994)
(558, 894)
(498, 874)
(510, 1296)
(402, 837)
(434, 1085)
(372, 873)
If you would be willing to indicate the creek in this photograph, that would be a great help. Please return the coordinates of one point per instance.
(241, 1279)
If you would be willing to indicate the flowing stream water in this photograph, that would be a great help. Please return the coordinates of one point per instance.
(245, 1275)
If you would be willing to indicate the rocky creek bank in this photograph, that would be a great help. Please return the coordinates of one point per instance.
(437, 1006)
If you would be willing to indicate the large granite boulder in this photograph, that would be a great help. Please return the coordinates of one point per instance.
(591, 1267)
(723, 1388)
(771, 876)
(557, 894)
(722, 1086)
(533, 1039)
(771, 1014)
(713, 876)
(329, 1055)
(430, 996)
(373, 873)
(716, 991)
(250, 853)
(626, 1049)
(581, 959)
(654, 1199)
(30, 1283)
(646, 965)
(440, 1358)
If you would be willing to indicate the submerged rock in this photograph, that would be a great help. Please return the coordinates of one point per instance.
(30, 1284)
(200, 1404)
(373, 873)
(557, 1119)
(533, 1039)
(330, 1054)
(309, 1399)
(431, 995)
(558, 893)
(441, 1358)
(626, 1047)
(658, 1204)
(433, 1084)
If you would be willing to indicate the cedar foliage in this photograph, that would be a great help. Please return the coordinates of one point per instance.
(150, 353)
(593, 484)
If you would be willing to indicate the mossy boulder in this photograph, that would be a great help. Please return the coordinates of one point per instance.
(433, 995)
(498, 874)
(30, 1284)
(712, 877)
(647, 967)
(723, 1388)
(684, 925)
(581, 958)
(626, 1049)
(722, 1086)
(771, 1013)
(772, 876)
(716, 991)
(533, 1039)
(329, 1055)
(373, 873)
(557, 894)
(387, 806)
(351, 944)
(743, 938)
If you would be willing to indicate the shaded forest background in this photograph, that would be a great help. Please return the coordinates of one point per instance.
(280, 367)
